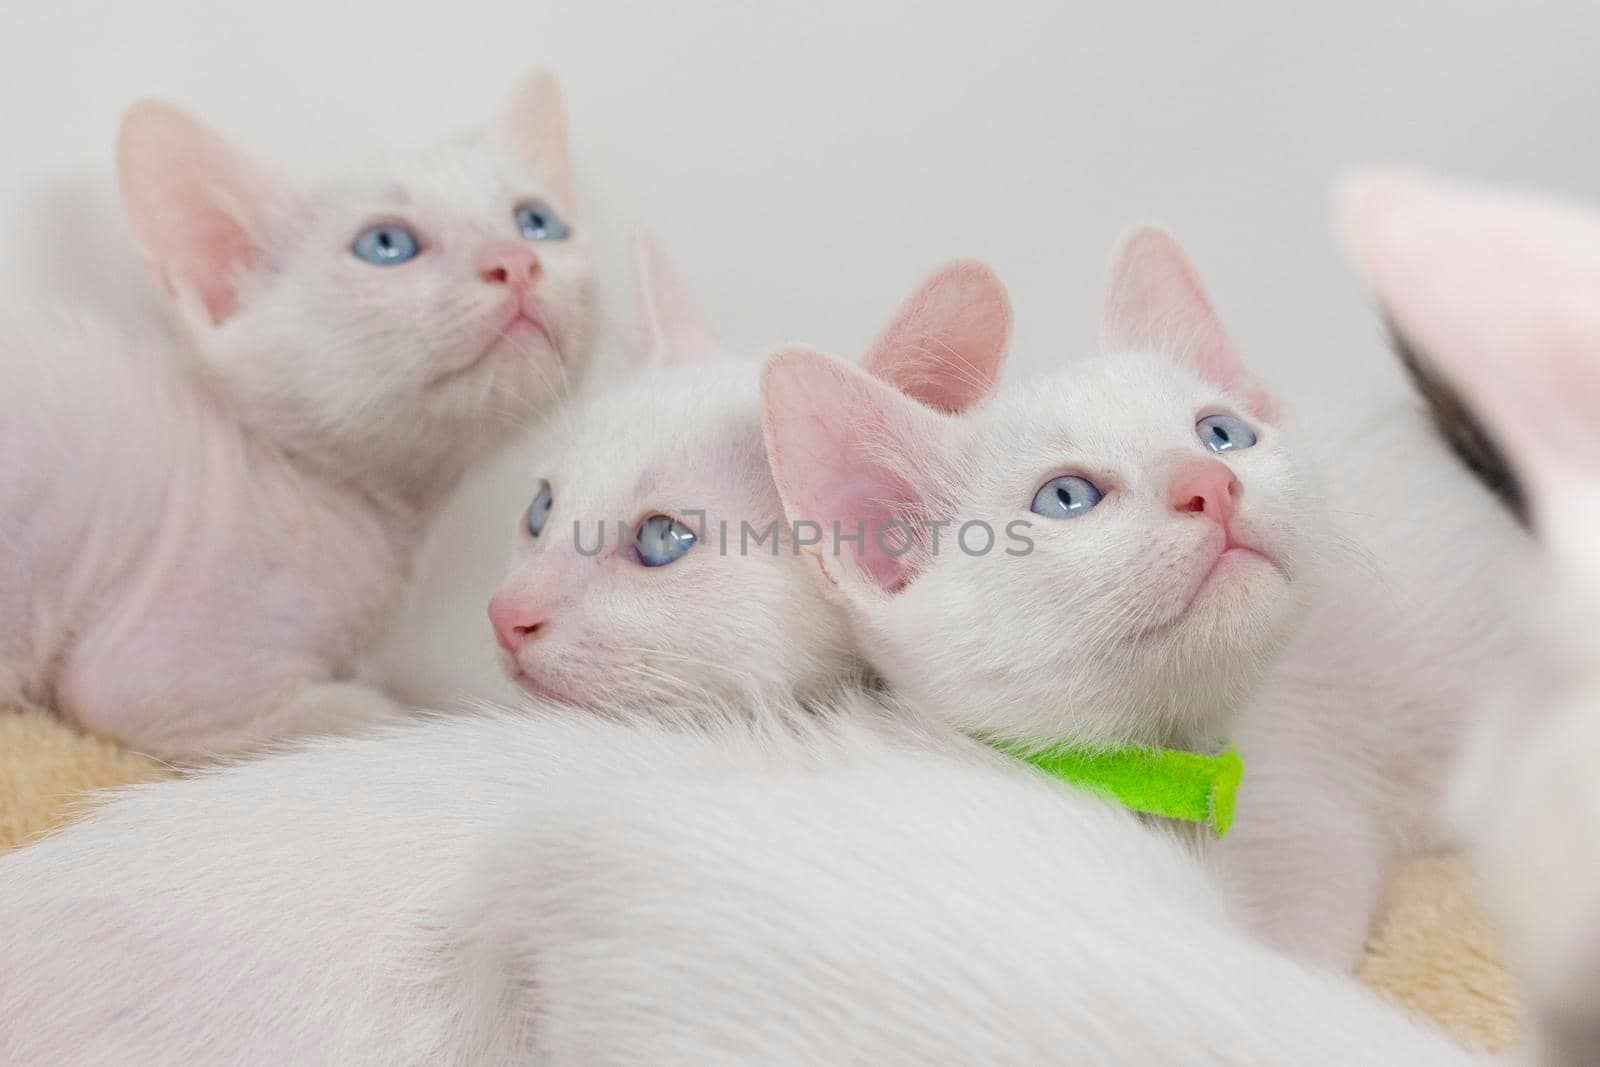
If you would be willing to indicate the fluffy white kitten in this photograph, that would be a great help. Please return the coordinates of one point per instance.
(571, 890)
(1189, 574)
(653, 562)
(1497, 291)
(203, 540)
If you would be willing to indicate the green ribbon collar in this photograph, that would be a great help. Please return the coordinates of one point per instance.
(1167, 782)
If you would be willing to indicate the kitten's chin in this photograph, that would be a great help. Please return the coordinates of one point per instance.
(534, 683)
(1240, 588)
(588, 694)
(523, 340)
(535, 688)
(1237, 573)
(1242, 612)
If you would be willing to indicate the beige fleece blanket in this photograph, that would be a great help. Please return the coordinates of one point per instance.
(1432, 952)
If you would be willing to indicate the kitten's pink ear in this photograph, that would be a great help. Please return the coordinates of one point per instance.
(532, 129)
(1500, 292)
(851, 455)
(1154, 302)
(948, 342)
(673, 330)
(197, 205)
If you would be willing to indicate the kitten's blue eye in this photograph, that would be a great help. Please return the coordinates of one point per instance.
(387, 244)
(539, 510)
(1066, 497)
(661, 540)
(539, 223)
(1224, 433)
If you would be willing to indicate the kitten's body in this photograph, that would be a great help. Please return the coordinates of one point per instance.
(571, 890)
(205, 537)
(1494, 292)
(151, 540)
(1351, 739)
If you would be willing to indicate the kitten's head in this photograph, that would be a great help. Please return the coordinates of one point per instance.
(701, 591)
(394, 324)
(1498, 294)
(1123, 539)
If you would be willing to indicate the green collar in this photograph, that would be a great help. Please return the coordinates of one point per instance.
(1158, 781)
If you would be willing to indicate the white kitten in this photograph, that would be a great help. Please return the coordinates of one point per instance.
(654, 563)
(1187, 577)
(786, 890)
(1497, 291)
(204, 541)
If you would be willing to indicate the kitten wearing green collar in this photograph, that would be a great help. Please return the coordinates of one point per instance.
(1146, 551)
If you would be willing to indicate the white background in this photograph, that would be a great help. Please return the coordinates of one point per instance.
(807, 163)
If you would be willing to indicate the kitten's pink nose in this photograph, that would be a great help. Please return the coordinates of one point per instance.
(515, 621)
(1207, 488)
(506, 263)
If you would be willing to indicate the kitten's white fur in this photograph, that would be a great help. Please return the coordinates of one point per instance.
(1496, 290)
(572, 890)
(1345, 668)
(203, 541)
